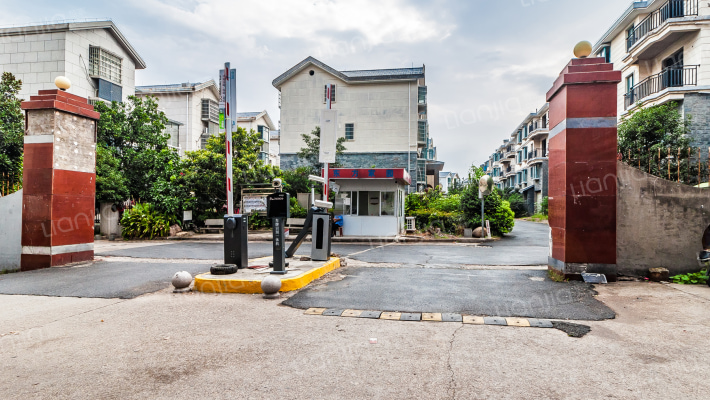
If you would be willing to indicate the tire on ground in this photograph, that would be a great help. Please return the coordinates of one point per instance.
(224, 269)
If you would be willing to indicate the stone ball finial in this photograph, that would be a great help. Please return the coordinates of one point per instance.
(271, 286)
(181, 281)
(62, 82)
(583, 49)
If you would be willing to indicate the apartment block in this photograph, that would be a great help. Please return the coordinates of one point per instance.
(521, 161)
(259, 122)
(382, 114)
(662, 48)
(95, 56)
(193, 105)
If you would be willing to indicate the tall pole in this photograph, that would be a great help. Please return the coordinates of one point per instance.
(228, 134)
(326, 189)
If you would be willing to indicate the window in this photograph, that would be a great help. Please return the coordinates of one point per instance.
(387, 203)
(210, 110)
(332, 93)
(422, 95)
(263, 132)
(605, 52)
(105, 65)
(630, 38)
(629, 83)
(349, 131)
(525, 153)
(174, 130)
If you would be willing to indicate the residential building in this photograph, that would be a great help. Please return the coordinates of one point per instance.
(274, 148)
(95, 56)
(382, 114)
(447, 180)
(521, 161)
(194, 105)
(662, 48)
(261, 123)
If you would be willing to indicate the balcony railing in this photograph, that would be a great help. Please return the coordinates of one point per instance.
(671, 9)
(669, 77)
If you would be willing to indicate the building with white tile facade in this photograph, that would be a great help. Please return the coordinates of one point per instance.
(194, 105)
(95, 56)
(381, 113)
(662, 48)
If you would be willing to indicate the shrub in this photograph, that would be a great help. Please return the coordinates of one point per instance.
(517, 202)
(257, 222)
(296, 210)
(144, 221)
(496, 210)
(544, 206)
(448, 222)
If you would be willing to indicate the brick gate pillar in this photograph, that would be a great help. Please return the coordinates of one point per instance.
(582, 168)
(59, 180)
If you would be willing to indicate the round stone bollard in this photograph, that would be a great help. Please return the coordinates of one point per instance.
(271, 286)
(181, 281)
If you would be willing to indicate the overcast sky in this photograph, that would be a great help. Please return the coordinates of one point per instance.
(488, 63)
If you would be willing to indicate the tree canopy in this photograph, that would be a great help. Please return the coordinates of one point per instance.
(12, 124)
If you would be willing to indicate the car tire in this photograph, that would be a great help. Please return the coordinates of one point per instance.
(224, 269)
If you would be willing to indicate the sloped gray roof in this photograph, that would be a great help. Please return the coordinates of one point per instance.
(248, 114)
(403, 74)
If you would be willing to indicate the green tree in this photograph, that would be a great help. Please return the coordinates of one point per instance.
(496, 210)
(111, 184)
(205, 171)
(134, 133)
(647, 130)
(296, 181)
(11, 125)
(310, 153)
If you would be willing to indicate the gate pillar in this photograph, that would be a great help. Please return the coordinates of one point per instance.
(59, 180)
(582, 168)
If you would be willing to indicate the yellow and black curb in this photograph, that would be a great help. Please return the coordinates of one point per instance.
(433, 317)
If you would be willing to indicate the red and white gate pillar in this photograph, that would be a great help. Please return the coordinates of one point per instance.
(59, 180)
(582, 168)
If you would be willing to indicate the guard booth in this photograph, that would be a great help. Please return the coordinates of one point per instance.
(371, 201)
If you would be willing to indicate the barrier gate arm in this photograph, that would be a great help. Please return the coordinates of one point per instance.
(302, 235)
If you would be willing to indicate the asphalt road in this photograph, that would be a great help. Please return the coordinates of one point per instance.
(528, 244)
(515, 293)
(107, 280)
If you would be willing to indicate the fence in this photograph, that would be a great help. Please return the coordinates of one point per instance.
(685, 165)
(10, 183)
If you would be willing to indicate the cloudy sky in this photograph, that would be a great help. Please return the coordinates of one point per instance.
(488, 63)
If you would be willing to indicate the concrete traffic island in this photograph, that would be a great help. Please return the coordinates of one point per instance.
(248, 281)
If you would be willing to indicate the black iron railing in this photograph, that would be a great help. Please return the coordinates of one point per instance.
(670, 9)
(669, 77)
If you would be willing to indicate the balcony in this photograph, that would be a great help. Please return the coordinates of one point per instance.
(536, 156)
(538, 133)
(658, 18)
(422, 133)
(671, 77)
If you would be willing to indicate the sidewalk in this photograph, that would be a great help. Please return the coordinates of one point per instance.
(266, 236)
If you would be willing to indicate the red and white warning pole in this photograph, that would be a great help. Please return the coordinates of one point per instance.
(228, 134)
(326, 185)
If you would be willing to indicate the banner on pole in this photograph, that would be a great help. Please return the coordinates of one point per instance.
(328, 137)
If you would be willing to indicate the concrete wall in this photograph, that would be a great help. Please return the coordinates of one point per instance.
(659, 223)
(10, 228)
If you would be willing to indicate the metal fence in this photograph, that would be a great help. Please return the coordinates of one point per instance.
(687, 165)
(10, 183)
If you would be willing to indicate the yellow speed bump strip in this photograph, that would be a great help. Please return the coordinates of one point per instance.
(395, 316)
(521, 322)
(208, 283)
(431, 317)
(315, 311)
(467, 319)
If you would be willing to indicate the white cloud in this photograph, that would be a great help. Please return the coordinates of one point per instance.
(376, 22)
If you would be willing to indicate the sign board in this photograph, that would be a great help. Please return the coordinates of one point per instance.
(253, 203)
(328, 135)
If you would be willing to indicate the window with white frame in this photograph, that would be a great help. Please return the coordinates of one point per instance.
(105, 65)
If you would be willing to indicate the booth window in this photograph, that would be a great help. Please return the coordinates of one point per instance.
(388, 203)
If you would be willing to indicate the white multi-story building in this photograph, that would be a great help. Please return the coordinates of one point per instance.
(382, 114)
(275, 148)
(447, 180)
(194, 105)
(259, 122)
(662, 48)
(521, 161)
(95, 56)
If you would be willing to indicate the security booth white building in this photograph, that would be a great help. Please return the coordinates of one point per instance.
(371, 201)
